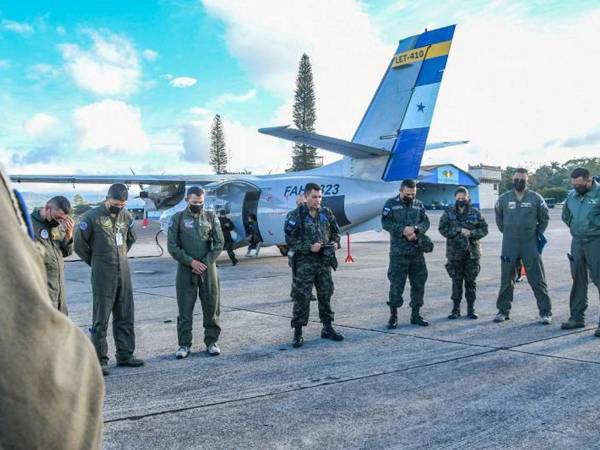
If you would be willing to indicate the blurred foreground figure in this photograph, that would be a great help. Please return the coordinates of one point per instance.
(51, 391)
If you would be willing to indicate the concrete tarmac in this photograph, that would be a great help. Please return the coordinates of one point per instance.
(455, 384)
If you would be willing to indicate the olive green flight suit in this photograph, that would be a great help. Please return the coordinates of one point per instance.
(582, 216)
(520, 222)
(196, 237)
(56, 247)
(102, 241)
(49, 399)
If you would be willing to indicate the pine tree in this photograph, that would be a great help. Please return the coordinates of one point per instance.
(218, 152)
(304, 114)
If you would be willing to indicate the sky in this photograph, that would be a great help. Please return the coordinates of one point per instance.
(119, 85)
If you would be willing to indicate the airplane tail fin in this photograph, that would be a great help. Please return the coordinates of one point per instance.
(400, 113)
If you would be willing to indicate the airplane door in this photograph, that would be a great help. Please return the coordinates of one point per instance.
(250, 209)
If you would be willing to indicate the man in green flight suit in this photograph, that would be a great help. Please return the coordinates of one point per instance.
(51, 395)
(195, 241)
(104, 236)
(53, 229)
(581, 213)
(522, 217)
(463, 226)
(405, 219)
(312, 233)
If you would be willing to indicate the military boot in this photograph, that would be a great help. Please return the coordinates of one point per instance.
(571, 324)
(455, 313)
(328, 332)
(104, 367)
(416, 319)
(471, 314)
(393, 321)
(131, 362)
(298, 339)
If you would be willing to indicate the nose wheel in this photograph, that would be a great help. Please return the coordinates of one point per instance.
(283, 249)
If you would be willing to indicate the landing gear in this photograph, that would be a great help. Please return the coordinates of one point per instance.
(283, 249)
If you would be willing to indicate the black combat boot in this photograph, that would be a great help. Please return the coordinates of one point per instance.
(455, 314)
(416, 319)
(298, 339)
(393, 322)
(471, 314)
(328, 332)
(104, 367)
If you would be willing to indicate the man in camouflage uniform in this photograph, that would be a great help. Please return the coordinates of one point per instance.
(227, 227)
(522, 217)
(195, 241)
(463, 226)
(581, 213)
(53, 230)
(312, 233)
(104, 236)
(51, 394)
(405, 219)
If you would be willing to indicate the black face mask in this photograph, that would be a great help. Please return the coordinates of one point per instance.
(408, 200)
(461, 203)
(581, 189)
(519, 185)
(114, 209)
(195, 209)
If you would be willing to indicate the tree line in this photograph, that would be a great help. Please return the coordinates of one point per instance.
(552, 180)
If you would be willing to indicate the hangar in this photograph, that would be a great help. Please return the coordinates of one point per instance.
(438, 182)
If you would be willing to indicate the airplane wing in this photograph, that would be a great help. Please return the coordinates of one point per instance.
(125, 179)
(340, 146)
(325, 142)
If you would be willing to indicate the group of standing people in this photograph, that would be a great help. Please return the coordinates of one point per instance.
(522, 217)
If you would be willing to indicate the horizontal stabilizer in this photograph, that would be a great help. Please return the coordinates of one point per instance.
(335, 145)
(126, 179)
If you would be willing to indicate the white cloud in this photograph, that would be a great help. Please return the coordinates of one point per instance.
(110, 66)
(150, 55)
(183, 82)
(197, 111)
(522, 97)
(16, 27)
(347, 55)
(42, 71)
(41, 126)
(248, 149)
(229, 97)
(110, 125)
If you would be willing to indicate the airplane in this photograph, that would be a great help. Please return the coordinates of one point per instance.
(387, 146)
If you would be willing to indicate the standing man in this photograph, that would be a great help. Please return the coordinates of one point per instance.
(463, 226)
(581, 213)
(195, 241)
(104, 236)
(522, 218)
(405, 219)
(227, 227)
(51, 395)
(53, 229)
(312, 233)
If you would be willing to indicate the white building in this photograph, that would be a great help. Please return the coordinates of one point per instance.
(489, 178)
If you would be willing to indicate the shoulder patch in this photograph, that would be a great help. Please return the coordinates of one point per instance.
(44, 233)
(83, 225)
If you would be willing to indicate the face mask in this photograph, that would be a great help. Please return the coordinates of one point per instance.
(52, 223)
(407, 200)
(114, 209)
(519, 185)
(195, 209)
(461, 203)
(581, 189)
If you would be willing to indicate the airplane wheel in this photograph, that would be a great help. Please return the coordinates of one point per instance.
(283, 249)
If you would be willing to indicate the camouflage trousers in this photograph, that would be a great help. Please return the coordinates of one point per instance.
(311, 271)
(402, 267)
(463, 272)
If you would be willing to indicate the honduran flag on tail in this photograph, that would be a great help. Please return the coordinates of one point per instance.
(400, 113)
